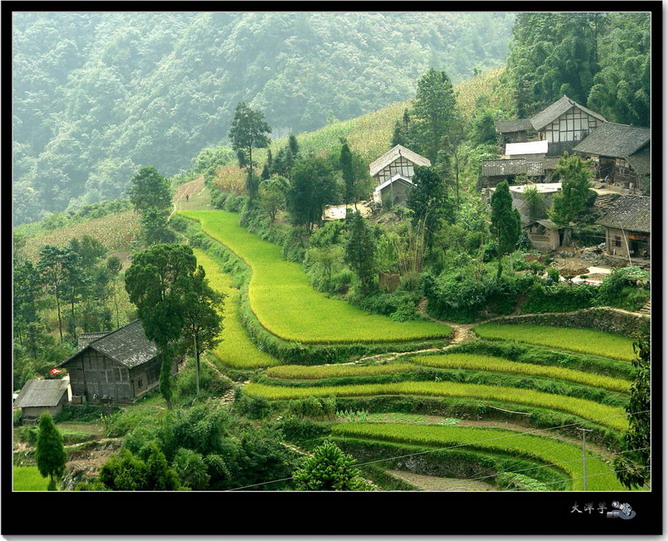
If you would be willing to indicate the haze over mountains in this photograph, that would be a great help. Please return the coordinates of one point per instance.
(98, 95)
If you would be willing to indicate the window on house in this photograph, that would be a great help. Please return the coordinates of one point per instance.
(617, 241)
(139, 383)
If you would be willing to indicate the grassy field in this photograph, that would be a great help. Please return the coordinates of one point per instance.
(236, 348)
(284, 302)
(29, 478)
(296, 372)
(614, 417)
(472, 361)
(566, 456)
(579, 340)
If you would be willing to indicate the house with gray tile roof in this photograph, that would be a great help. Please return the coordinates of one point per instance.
(114, 367)
(42, 396)
(628, 226)
(621, 153)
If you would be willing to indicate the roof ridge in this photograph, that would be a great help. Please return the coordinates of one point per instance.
(113, 332)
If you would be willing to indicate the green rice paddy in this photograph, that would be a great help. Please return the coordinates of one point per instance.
(236, 348)
(284, 302)
(570, 339)
(611, 416)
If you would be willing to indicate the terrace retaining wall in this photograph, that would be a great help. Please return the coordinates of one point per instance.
(599, 318)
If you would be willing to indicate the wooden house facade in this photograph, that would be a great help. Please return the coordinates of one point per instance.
(565, 121)
(393, 173)
(117, 367)
(628, 227)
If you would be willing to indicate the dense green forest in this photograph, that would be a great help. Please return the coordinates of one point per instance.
(98, 95)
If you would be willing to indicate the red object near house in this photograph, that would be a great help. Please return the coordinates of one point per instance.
(55, 372)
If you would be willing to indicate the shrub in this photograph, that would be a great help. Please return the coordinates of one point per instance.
(560, 297)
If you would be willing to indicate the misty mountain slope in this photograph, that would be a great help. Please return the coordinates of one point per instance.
(97, 95)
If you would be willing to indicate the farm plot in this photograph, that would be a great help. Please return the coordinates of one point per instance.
(565, 456)
(472, 361)
(236, 348)
(284, 302)
(570, 339)
(613, 417)
(298, 372)
(28, 478)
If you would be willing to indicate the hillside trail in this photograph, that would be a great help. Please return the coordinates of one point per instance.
(461, 333)
(189, 192)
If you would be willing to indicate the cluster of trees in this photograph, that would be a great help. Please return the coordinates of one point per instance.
(177, 307)
(98, 94)
(73, 285)
(601, 60)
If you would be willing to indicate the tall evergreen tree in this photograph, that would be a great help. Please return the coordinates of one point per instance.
(428, 200)
(329, 468)
(50, 454)
(572, 199)
(432, 113)
(505, 222)
(151, 198)
(312, 187)
(360, 252)
(248, 131)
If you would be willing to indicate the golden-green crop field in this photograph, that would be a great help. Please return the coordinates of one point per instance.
(472, 361)
(570, 339)
(28, 478)
(565, 456)
(236, 348)
(115, 231)
(292, 371)
(611, 416)
(284, 302)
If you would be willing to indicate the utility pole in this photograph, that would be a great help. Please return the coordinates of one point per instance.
(584, 456)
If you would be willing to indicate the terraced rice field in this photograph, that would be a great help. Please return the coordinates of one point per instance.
(297, 372)
(470, 361)
(579, 340)
(286, 305)
(236, 349)
(565, 456)
(28, 478)
(613, 417)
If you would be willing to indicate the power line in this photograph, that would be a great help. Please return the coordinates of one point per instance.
(427, 451)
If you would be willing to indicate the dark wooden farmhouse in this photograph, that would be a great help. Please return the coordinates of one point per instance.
(394, 172)
(561, 124)
(114, 367)
(627, 224)
(620, 154)
(533, 170)
(42, 396)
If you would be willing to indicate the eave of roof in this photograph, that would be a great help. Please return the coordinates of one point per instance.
(393, 154)
(614, 140)
(394, 179)
(629, 212)
(558, 108)
(41, 393)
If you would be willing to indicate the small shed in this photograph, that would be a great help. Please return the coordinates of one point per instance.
(513, 131)
(627, 226)
(42, 396)
(543, 234)
(393, 191)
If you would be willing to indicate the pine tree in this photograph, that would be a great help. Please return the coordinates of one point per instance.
(346, 164)
(329, 468)
(505, 226)
(50, 454)
(360, 252)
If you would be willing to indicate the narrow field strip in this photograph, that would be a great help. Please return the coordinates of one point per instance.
(284, 302)
(613, 417)
(472, 361)
(565, 456)
(236, 349)
(300, 372)
(579, 340)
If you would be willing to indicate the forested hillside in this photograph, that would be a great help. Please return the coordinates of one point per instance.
(97, 95)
